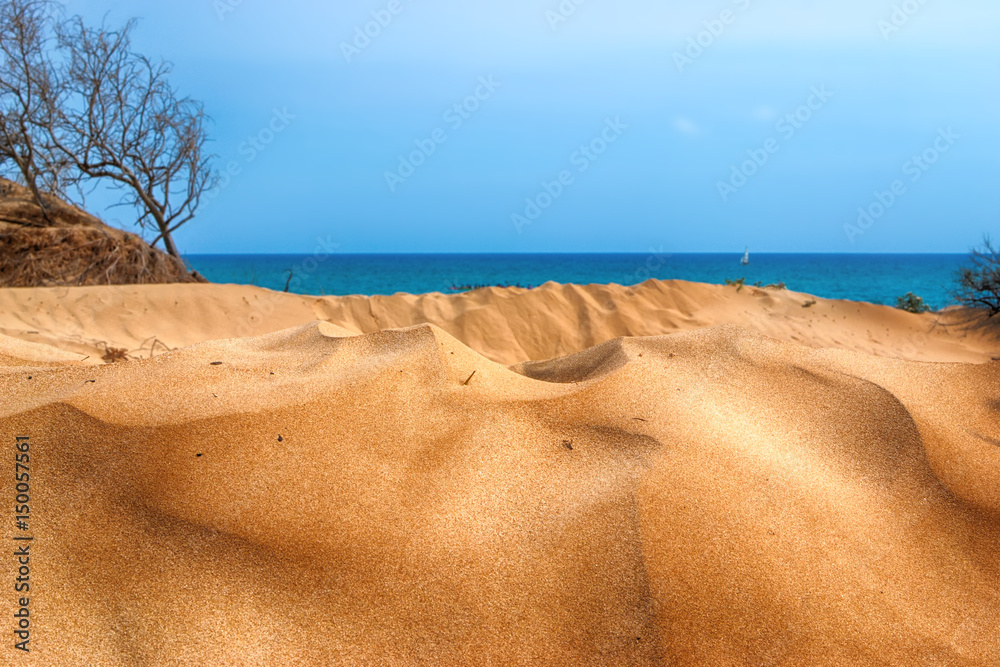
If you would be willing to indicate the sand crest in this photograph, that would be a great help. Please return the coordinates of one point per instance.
(508, 325)
(313, 496)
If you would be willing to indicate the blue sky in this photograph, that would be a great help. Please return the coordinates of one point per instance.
(659, 141)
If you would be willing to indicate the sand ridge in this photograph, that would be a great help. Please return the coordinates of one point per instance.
(507, 325)
(317, 496)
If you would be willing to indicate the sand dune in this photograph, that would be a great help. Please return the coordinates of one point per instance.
(506, 325)
(312, 496)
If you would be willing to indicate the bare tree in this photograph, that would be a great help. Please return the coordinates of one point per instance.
(78, 106)
(979, 283)
(29, 91)
(126, 127)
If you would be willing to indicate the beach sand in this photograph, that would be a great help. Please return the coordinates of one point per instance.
(667, 474)
(506, 325)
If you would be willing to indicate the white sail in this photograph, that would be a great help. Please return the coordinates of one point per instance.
(746, 257)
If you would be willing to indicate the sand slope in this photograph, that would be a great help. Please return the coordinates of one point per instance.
(309, 497)
(506, 325)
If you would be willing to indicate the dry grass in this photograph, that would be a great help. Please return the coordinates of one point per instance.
(45, 257)
(74, 248)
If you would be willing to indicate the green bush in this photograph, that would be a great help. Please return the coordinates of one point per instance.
(738, 284)
(912, 303)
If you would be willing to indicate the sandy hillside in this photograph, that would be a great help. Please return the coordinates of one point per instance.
(506, 325)
(308, 497)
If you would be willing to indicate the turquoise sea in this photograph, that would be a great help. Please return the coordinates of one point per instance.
(873, 278)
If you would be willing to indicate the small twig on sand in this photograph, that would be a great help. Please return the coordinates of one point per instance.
(466, 383)
(114, 354)
(152, 348)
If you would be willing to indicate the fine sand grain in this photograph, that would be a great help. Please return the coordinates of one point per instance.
(513, 483)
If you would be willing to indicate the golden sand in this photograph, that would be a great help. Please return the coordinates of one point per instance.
(506, 325)
(755, 488)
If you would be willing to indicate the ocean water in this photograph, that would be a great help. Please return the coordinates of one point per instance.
(872, 278)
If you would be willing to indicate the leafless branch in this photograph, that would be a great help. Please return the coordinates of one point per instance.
(79, 106)
(979, 282)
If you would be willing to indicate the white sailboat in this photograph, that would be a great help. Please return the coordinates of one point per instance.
(746, 257)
